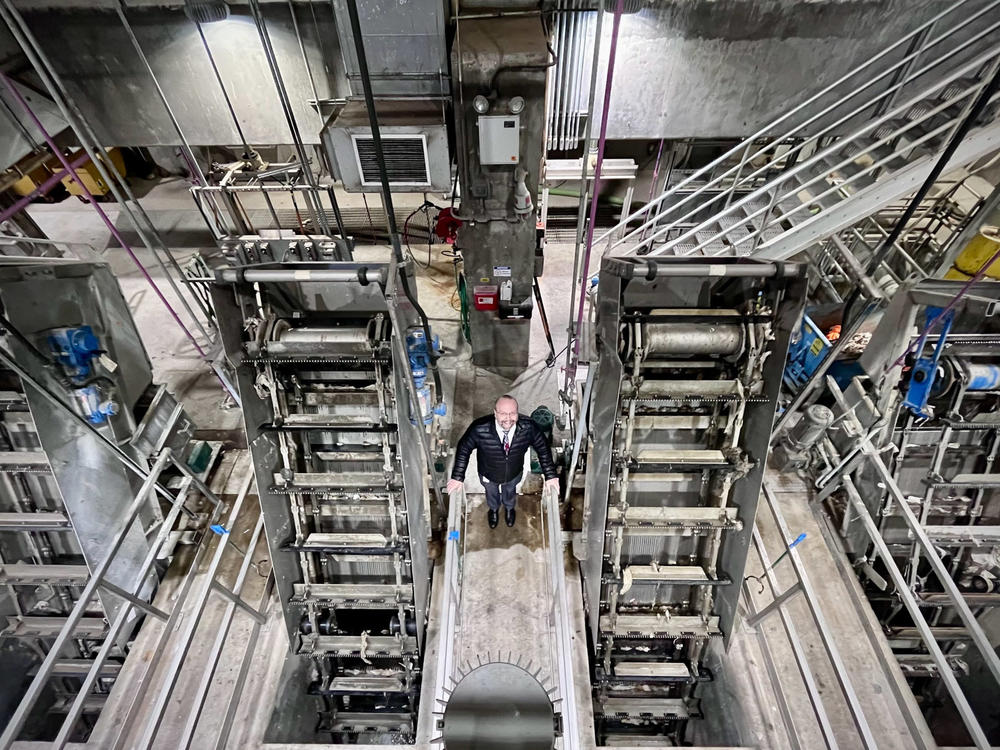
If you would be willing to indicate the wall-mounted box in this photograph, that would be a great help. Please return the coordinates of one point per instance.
(499, 139)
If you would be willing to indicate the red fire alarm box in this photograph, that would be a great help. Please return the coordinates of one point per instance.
(484, 297)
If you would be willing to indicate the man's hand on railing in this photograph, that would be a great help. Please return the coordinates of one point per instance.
(553, 483)
(454, 485)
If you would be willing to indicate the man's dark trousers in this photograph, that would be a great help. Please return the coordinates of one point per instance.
(496, 494)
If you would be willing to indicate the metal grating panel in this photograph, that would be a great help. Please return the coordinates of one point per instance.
(405, 159)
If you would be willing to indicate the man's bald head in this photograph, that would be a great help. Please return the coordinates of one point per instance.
(505, 411)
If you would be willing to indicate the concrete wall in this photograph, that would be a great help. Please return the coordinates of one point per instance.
(92, 53)
(685, 68)
(725, 68)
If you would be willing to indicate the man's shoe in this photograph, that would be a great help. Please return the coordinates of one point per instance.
(509, 515)
(493, 516)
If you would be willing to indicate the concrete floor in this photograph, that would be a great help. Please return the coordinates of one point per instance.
(505, 586)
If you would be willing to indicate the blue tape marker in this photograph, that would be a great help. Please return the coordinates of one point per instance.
(453, 536)
(219, 529)
(798, 539)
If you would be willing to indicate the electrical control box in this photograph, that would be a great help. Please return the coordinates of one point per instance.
(499, 139)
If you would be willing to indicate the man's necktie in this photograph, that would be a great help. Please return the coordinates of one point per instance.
(506, 442)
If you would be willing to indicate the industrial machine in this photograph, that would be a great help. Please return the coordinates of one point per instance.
(689, 361)
(339, 410)
(910, 480)
(78, 405)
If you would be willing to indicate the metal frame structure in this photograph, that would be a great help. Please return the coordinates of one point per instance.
(336, 427)
(683, 399)
(897, 486)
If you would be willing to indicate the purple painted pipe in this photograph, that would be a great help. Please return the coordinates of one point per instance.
(597, 179)
(107, 222)
(51, 182)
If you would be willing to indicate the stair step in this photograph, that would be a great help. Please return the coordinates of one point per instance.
(652, 626)
(48, 627)
(675, 575)
(356, 645)
(357, 455)
(363, 684)
(27, 462)
(27, 574)
(48, 521)
(688, 388)
(350, 595)
(653, 708)
(671, 671)
(686, 458)
(332, 422)
(970, 480)
(79, 668)
(973, 536)
(359, 722)
(638, 518)
(332, 480)
(346, 542)
(676, 422)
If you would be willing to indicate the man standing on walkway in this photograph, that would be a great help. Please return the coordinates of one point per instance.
(501, 440)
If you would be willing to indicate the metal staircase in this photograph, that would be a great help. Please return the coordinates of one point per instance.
(867, 139)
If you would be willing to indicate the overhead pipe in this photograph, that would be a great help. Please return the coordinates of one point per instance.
(390, 213)
(601, 141)
(104, 217)
(89, 141)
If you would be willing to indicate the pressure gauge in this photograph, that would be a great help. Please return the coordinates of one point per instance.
(481, 104)
(516, 105)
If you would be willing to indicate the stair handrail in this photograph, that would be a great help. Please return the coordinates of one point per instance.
(771, 126)
(771, 188)
(765, 189)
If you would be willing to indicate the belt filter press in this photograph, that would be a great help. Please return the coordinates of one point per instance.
(689, 361)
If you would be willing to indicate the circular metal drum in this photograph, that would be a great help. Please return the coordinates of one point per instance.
(498, 706)
(323, 342)
(708, 338)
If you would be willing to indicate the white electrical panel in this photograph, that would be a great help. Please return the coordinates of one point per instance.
(499, 139)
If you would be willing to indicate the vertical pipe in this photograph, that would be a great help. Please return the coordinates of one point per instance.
(602, 139)
(571, 330)
(107, 222)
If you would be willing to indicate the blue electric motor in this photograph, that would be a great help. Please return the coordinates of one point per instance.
(76, 350)
(416, 349)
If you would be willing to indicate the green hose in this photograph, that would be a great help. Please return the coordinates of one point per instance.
(463, 296)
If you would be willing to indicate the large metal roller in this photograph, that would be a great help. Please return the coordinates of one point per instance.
(708, 338)
(322, 342)
(718, 335)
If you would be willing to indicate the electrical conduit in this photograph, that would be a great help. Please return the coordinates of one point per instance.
(585, 268)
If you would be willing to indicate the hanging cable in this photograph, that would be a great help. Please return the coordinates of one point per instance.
(359, 48)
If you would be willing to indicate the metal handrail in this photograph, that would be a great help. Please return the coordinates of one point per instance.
(132, 598)
(561, 622)
(445, 669)
(769, 190)
(903, 64)
(871, 454)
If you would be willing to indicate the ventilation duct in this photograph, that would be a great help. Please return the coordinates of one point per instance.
(414, 141)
